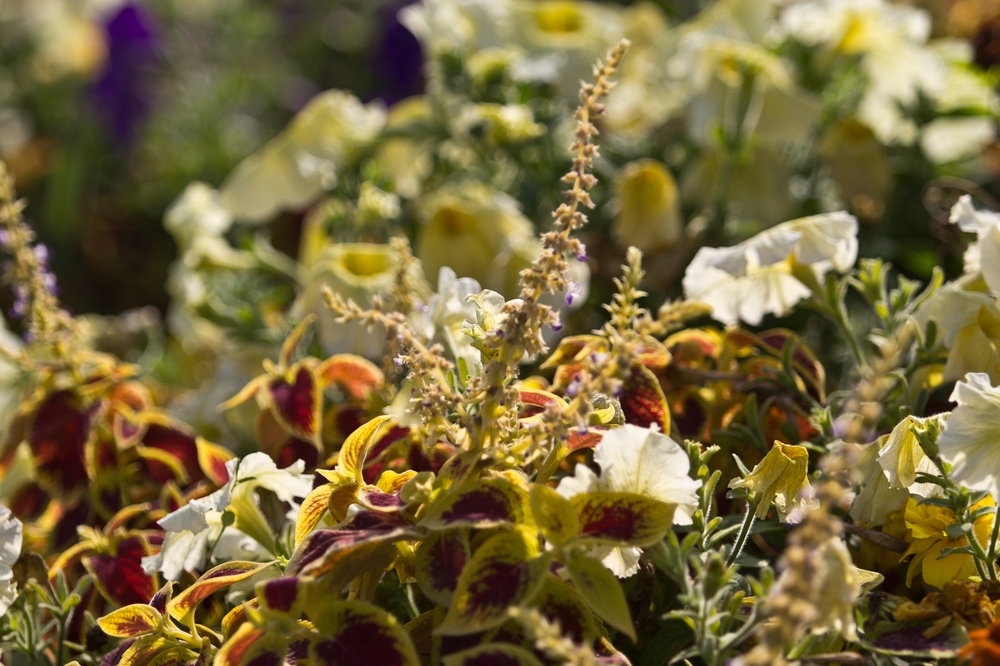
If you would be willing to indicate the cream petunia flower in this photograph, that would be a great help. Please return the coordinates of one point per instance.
(197, 531)
(781, 479)
(10, 550)
(649, 214)
(875, 500)
(355, 271)
(636, 460)
(969, 441)
(902, 458)
(293, 169)
(444, 317)
(756, 277)
(969, 328)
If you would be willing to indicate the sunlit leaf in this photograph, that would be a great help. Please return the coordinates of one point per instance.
(132, 620)
(624, 518)
(353, 632)
(554, 514)
(354, 375)
(213, 580)
(478, 503)
(643, 401)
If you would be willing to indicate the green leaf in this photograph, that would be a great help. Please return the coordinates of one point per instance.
(602, 592)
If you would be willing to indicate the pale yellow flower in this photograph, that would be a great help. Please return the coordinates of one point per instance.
(876, 500)
(355, 271)
(968, 325)
(295, 167)
(837, 585)
(649, 214)
(779, 479)
(902, 458)
(467, 227)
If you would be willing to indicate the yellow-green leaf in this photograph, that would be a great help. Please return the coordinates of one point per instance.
(355, 449)
(439, 561)
(554, 514)
(311, 512)
(132, 620)
(222, 576)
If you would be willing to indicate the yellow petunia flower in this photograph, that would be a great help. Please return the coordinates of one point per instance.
(779, 479)
(927, 525)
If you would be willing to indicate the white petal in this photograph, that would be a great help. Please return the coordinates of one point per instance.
(647, 462)
(583, 481)
(10, 537)
(969, 439)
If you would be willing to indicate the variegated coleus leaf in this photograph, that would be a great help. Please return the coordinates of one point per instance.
(119, 576)
(440, 559)
(321, 550)
(560, 603)
(296, 401)
(212, 460)
(479, 503)
(130, 621)
(312, 510)
(183, 606)
(492, 654)
(357, 377)
(574, 348)
(643, 401)
(554, 515)
(353, 632)
(58, 432)
(504, 572)
(622, 518)
(356, 448)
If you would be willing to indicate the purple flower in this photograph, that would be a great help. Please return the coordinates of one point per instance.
(122, 92)
(397, 62)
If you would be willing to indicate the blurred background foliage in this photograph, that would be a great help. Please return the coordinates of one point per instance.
(108, 109)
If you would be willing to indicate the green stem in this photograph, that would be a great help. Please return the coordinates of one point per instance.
(744, 533)
(991, 554)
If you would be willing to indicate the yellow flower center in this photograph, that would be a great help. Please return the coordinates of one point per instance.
(559, 17)
(365, 264)
(453, 221)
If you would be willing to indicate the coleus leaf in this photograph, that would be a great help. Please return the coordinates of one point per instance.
(505, 571)
(354, 452)
(130, 621)
(643, 401)
(286, 594)
(572, 348)
(212, 460)
(184, 604)
(622, 518)
(554, 514)
(144, 650)
(354, 375)
(60, 428)
(492, 654)
(165, 434)
(602, 592)
(321, 550)
(478, 503)
(291, 343)
(312, 510)
(236, 617)
(237, 648)
(162, 597)
(296, 400)
(119, 576)
(439, 561)
(560, 603)
(353, 632)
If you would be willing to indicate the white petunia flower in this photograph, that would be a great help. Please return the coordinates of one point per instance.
(642, 461)
(755, 278)
(196, 212)
(10, 550)
(969, 439)
(443, 318)
(196, 531)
